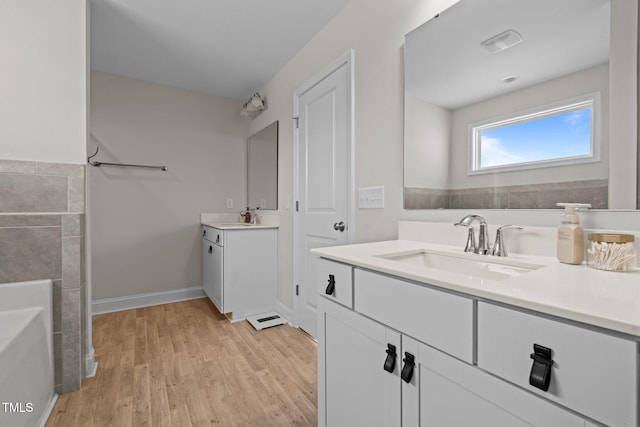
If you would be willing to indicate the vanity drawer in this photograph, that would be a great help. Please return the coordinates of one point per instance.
(335, 281)
(592, 373)
(213, 234)
(439, 319)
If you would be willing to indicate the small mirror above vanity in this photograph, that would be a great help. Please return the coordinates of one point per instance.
(519, 104)
(262, 168)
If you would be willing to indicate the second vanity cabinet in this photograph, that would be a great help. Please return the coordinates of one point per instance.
(398, 353)
(239, 269)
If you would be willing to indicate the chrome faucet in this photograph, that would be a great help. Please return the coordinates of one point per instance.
(482, 247)
(499, 249)
(254, 216)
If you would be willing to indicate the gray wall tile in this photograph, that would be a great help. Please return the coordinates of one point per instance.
(57, 359)
(30, 253)
(70, 316)
(426, 198)
(17, 166)
(71, 371)
(33, 193)
(76, 191)
(522, 200)
(57, 306)
(65, 169)
(29, 220)
(534, 196)
(73, 225)
(71, 262)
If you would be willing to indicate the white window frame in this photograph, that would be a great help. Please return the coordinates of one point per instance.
(474, 129)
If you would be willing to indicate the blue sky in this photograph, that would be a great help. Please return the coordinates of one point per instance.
(563, 135)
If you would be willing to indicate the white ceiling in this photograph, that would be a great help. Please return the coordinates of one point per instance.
(227, 48)
(446, 65)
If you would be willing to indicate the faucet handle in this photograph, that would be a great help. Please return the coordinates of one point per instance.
(499, 248)
(470, 246)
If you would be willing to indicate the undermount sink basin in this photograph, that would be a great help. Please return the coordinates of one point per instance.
(480, 266)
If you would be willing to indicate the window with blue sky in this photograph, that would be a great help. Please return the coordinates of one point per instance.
(536, 139)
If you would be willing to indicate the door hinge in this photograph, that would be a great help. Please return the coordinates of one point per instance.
(297, 290)
(297, 206)
(297, 119)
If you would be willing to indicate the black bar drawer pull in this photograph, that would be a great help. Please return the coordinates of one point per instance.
(390, 361)
(331, 287)
(407, 371)
(540, 376)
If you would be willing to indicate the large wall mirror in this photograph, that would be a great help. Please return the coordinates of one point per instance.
(262, 168)
(521, 104)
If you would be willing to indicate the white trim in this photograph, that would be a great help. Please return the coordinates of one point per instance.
(90, 364)
(44, 417)
(110, 305)
(284, 311)
(349, 59)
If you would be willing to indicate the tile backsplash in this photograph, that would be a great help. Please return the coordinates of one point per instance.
(42, 236)
(532, 196)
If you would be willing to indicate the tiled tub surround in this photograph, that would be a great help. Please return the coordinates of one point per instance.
(41, 187)
(533, 196)
(42, 236)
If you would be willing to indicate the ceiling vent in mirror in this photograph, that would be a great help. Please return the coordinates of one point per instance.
(502, 41)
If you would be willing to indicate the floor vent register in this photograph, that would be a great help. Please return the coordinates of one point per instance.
(266, 320)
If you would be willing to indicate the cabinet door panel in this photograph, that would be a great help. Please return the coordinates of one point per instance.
(216, 271)
(357, 390)
(206, 267)
(250, 271)
(453, 393)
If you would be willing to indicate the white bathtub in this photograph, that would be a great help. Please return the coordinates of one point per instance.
(26, 353)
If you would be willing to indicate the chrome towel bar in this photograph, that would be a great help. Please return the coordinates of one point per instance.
(127, 165)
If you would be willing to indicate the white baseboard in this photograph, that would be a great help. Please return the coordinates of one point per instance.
(110, 305)
(285, 312)
(47, 411)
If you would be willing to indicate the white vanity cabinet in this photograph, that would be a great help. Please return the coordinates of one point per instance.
(460, 355)
(240, 269)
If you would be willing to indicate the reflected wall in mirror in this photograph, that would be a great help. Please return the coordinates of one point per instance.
(262, 168)
(509, 104)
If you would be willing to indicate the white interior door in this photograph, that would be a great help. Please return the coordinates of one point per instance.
(323, 184)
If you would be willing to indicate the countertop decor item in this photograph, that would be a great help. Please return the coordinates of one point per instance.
(612, 252)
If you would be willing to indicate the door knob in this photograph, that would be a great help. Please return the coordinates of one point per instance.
(339, 226)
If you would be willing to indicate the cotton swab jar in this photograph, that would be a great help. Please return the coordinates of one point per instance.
(612, 252)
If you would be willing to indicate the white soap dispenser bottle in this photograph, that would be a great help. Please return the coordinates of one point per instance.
(570, 234)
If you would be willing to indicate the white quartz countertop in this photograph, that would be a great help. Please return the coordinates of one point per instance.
(237, 225)
(604, 299)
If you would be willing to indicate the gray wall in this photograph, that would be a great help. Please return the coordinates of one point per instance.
(145, 224)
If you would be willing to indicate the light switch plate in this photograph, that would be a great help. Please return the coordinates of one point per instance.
(229, 203)
(371, 198)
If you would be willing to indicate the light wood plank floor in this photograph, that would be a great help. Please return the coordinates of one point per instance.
(185, 364)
